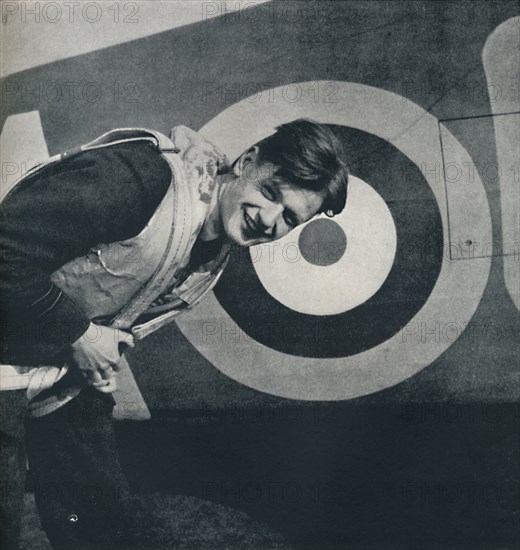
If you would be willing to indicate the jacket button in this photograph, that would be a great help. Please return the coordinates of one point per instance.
(72, 518)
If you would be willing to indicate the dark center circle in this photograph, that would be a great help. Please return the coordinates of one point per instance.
(322, 242)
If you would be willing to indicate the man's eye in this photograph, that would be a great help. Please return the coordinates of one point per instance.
(290, 221)
(268, 193)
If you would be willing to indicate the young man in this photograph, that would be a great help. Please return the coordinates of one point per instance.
(100, 247)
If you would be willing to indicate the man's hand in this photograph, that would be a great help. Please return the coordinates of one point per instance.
(98, 353)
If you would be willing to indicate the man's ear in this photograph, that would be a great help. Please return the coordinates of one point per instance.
(248, 157)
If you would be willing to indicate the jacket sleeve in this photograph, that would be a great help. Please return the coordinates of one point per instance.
(55, 215)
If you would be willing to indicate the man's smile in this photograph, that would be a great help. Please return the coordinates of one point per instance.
(253, 231)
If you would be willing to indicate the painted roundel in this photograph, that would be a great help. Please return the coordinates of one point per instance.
(337, 286)
(339, 308)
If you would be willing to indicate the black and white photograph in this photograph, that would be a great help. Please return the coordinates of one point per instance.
(260, 275)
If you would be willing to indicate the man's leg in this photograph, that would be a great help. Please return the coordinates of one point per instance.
(13, 405)
(81, 492)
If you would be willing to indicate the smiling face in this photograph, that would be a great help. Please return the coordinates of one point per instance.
(257, 207)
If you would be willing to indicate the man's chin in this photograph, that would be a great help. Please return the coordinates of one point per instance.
(239, 237)
(246, 242)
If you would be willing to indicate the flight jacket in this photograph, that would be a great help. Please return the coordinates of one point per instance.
(143, 282)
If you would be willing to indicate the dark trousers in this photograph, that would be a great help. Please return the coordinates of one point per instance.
(13, 405)
(81, 492)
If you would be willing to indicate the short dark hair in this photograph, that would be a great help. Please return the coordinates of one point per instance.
(308, 154)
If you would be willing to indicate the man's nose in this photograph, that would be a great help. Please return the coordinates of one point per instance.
(269, 215)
